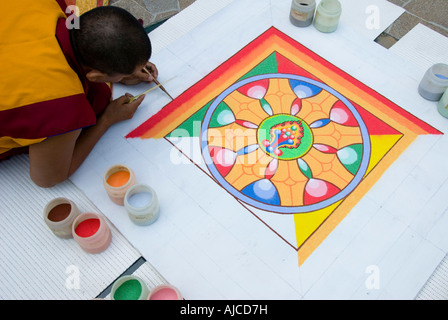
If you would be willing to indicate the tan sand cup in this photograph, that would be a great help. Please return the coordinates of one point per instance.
(59, 215)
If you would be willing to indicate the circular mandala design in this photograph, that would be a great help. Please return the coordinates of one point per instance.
(287, 137)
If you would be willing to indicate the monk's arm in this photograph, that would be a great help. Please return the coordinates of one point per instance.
(56, 158)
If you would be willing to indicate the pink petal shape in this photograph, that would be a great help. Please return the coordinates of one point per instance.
(324, 148)
(296, 106)
(271, 169)
(256, 89)
(224, 159)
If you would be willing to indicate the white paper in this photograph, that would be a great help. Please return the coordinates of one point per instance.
(209, 246)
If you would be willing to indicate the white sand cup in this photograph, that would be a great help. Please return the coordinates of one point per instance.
(142, 204)
(442, 105)
(434, 82)
(327, 15)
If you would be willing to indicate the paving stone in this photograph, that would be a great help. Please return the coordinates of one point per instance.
(407, 21)
(136, 10)
(165, 15)
(435, 11)
(386, 40)
(185, 3)
(159, 6)
(403, 25)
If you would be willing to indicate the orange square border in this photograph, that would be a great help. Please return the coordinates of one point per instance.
(272, 40)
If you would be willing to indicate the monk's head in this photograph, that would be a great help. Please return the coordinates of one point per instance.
(110, 44)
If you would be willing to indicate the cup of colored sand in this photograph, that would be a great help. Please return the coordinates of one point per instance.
(442, 105)
(434, 82)
(117, 180)
(142, 204)
(129, 287)
(327, 15)
(165, 292)
(91, 232)
(302, 12)
(59, 215)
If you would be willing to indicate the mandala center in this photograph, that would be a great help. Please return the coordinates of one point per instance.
(284, 136)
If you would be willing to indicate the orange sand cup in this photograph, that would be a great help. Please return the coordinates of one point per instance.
(117, 180)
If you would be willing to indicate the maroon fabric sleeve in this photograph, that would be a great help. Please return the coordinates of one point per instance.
(62, 4)
(47, 118)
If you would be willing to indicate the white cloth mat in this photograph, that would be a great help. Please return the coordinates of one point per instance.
(210, 249)
(424, 47)
(34, 263)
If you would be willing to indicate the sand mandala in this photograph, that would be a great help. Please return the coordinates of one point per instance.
(284, 131)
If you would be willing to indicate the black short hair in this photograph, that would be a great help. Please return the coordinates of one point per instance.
(111, 40)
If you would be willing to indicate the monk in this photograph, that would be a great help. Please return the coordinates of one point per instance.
(55, 101)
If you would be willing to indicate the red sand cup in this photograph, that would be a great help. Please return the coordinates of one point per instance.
(59, 215)
(117, 180)
(91, 232)
(129, 287)
(165, 292)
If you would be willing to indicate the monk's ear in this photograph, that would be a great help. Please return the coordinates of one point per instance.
(96, 76)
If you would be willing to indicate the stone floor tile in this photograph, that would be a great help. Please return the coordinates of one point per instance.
(165, 15)
(185, 3)
(435, 11)
(407, 21)
(403, 25)
(159, 6)
(386, 40)
(400, 3)
(135, 9)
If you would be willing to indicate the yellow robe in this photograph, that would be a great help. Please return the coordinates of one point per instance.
(40, 92)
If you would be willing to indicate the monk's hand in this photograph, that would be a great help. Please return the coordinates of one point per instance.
(146, 74)
(120, 109)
